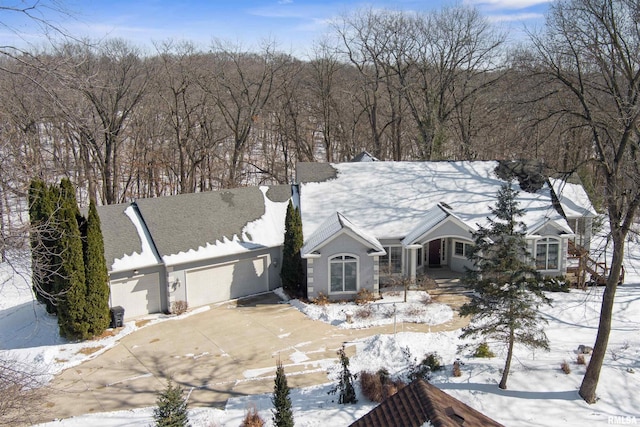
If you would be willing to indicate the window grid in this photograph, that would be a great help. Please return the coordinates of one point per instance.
(343, 272)
(547, 254)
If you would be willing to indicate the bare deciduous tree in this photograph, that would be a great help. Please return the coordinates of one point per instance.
(241, 83)
(590, 58)
(21, 392)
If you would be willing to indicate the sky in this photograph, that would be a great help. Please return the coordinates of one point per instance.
(293, 24)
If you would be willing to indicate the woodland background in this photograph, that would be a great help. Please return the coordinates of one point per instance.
(125, 123)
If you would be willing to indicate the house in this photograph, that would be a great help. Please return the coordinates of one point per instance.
(420, 404)
(365, 223)
(201, 248)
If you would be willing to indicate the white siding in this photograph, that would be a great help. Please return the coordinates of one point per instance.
(226, 281)
(138, 295)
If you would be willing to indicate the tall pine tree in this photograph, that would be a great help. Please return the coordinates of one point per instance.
(97, 280)
(292, 271)
(282, 415)
(172, 408)
(70, 283)
(42, 206)
(508, 290)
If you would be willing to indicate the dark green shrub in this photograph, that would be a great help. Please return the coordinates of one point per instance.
(431, 363)
(347, 393)
(555, 284)
(172, 407)
(282, 414)
(483, 350)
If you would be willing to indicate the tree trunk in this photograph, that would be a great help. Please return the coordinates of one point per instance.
(592, 375)
(3, 255)
(507, 364)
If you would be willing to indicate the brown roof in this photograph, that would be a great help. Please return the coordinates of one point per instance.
(420, 402)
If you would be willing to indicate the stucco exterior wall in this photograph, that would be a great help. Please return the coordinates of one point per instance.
(318, 268)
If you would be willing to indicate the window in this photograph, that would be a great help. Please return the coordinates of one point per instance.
(461, 249)
(547, 254)
(343, 272)
(391, 262)
(419, 257)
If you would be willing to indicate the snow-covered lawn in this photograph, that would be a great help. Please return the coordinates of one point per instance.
(539, 393)
(419, 308)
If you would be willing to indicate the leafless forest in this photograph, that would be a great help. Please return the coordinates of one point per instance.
(123, 124)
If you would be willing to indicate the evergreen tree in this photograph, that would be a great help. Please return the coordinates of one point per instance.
(172, 407)
(508, 289)
(43, 260)
(97, 280)
(292, 271)
(345, 384)
(70, 283)
(283, 415)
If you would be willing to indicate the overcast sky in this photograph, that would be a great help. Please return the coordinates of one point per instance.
(293, 24)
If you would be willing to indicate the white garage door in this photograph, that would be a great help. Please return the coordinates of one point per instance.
(227, 281)
(138, 295)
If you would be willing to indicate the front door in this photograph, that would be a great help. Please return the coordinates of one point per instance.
(434, 253)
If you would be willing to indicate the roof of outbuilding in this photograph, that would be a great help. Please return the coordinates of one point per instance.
(419, 403)
(365, 156)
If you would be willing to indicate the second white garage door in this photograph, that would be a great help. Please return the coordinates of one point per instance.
(227, 281)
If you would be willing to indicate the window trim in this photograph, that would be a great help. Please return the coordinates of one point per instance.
(465, 249)
(334, 260)
(547, 241)
(387, 249)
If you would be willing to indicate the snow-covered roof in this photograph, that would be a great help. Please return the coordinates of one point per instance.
(432, 218)
(267, 231)
(192, 227)
(573, 199)
(147, 256)
(333, 225)
(391, 199)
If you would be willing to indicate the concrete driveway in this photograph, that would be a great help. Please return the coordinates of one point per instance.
(229, 350)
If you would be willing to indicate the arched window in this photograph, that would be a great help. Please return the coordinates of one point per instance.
(547, 254)
(343, 273)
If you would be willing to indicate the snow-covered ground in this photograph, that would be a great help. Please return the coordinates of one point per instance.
(539, 393)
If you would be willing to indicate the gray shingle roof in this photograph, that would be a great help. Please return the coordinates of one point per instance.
(119, 233)
(187, 221)
(315, 172)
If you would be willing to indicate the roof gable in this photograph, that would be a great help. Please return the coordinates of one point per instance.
(335, 225)
(433, 219)
(573, 199)
(421, 402)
